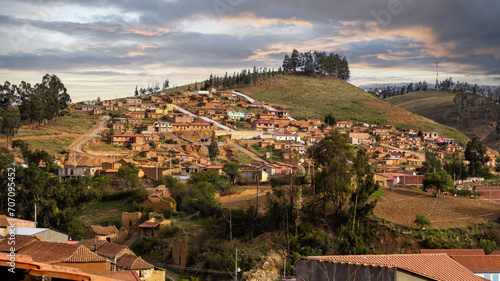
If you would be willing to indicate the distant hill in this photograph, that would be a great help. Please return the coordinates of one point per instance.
(312, 97)
(439, 106)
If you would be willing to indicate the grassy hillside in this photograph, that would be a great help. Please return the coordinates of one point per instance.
(439, 106)
(315, 97)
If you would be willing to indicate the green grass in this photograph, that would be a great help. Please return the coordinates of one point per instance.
(242, 158)
(439, 106)
(54, 144)
(96, 212)
(378, 194)
(22, 132)
(312, 97)
(77, 123)
(108, 147)
(315, 97)
(275, 153)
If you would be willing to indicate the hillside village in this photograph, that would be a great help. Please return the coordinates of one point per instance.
(171, 134)
(152, 130)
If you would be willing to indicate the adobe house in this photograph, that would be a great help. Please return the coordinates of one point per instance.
(22, 241)
(130, 221)
(145, 270)
(150, 228)
(71, 255)
(160, 204)
(104, 232)
(27, 269)
(112, 252)
(180, 251)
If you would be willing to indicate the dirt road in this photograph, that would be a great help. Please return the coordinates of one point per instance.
(78, 145)
(247, 152)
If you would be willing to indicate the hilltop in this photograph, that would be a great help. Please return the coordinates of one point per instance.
(439, 106)
(314, 97)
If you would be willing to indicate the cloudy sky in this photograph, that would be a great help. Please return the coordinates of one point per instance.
(105, 48)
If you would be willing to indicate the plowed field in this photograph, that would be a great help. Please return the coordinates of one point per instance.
(401, 206)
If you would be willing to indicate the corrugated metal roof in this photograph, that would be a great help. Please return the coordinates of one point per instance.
(29, 231)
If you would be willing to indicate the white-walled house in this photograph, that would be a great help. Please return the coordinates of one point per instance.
(286, 137)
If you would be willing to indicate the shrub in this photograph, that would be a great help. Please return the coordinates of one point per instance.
(464, 192)
(422, 221)
(488, 245)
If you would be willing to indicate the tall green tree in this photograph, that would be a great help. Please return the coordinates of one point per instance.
(431, 164)
(232, 170)
(330, 119)
(58, 203)
(10, 122)
(439, 181)
(213, 149)
(456, 168)
(128, 176)
(475, 153)
(334, 157)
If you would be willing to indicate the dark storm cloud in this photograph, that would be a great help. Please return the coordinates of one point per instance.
(378, 34)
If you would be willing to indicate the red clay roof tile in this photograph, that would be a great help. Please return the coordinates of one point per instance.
(133, 262)
(479, 262)
(21, 242)
(454, 252)
(434, 266)
(47, 252)
(104, 230)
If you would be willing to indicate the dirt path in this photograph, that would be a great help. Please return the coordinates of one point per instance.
(78, 145)
(247, 152)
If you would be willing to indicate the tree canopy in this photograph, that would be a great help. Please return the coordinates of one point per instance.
(475, 153)
(39, 103)
(439, 181)
(318, 62)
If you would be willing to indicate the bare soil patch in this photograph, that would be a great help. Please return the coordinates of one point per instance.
(401, 206)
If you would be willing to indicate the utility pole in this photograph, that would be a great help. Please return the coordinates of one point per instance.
(437, 75)
(236, 266)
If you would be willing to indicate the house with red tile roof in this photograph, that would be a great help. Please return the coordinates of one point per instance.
(383, 267)
(28, 269)
(487, 266)
(21, 242)
(145, 270)
(77, 256)
(122, 275)
(104, 232)
(454, 252)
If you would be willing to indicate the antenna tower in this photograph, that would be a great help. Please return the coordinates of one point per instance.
(437, 74)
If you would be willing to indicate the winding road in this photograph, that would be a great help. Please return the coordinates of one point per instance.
(201, 117)
(78, 145)
(252, 100)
